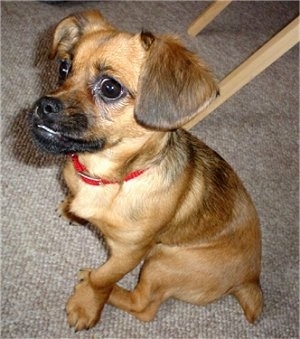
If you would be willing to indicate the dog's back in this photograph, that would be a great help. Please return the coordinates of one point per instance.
(211, 245)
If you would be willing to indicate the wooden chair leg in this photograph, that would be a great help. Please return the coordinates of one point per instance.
(254, 65)
(207, 16)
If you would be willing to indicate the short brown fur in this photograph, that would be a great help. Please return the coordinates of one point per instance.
(188, 216)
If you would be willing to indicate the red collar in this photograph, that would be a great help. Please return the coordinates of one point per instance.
(82, 172)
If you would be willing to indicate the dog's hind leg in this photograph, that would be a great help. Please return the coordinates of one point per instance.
(144, 301)
(150, 311)
(250, 298)
(137, 302)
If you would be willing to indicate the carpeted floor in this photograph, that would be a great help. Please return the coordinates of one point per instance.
(256, 131)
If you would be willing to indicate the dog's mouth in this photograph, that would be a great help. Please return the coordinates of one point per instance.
(62, 138)
(51, 134)
(48, 130)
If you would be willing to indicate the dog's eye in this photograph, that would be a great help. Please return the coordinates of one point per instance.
(110, 89)
(64, 69)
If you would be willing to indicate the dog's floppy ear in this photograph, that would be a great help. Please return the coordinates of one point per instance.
(70, 29)
(173, 84)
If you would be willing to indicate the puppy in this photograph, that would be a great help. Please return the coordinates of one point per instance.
(157, 193)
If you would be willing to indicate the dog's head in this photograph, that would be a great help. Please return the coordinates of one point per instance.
(116, 85)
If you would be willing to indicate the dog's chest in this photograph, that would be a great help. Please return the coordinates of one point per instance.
(107, 204)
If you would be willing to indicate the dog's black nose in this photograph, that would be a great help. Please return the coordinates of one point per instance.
(47, 106)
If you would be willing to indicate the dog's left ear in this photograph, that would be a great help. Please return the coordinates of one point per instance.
(173, 85)
(71, 29)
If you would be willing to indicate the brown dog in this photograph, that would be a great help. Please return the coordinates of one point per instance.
(156, 192)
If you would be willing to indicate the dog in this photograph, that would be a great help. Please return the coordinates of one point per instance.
(158, 194)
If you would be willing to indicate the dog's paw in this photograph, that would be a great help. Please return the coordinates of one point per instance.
(85, 305)
(62, 208)
(64, 212)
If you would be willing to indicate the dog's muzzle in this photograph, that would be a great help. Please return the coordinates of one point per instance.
(57, 132)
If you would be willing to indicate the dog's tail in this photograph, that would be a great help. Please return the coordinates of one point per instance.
(250, 298)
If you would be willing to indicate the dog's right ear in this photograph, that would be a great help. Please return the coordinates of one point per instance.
(173, 84)
(70, 29)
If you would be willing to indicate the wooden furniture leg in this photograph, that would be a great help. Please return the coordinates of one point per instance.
(254, 65)
(207, 16)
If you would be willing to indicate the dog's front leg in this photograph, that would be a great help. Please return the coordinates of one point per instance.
(86, 303)
(92, 292)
